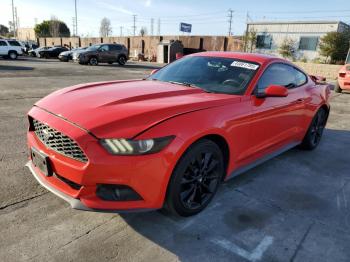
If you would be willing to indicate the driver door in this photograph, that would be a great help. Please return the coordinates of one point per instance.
(104, 54)
(277, 121)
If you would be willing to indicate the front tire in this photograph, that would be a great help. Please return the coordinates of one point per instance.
(195, 179)
(13, 55)
(315, 131)
(93, 61)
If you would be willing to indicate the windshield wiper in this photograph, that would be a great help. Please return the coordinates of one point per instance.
(182, 83)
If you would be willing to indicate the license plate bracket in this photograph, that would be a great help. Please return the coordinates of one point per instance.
(41, 161)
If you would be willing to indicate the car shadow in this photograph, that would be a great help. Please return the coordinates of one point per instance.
(16, 68)
(234, 211)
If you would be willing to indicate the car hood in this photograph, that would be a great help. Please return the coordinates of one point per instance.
(126, 108)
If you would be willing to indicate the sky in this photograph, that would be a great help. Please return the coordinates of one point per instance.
(207, 17)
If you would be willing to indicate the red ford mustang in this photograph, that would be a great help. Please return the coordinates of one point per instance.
(170, 139)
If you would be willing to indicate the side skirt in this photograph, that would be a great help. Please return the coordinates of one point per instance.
(247, 167)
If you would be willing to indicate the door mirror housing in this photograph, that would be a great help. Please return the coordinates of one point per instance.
(273, 91)
(154, 71)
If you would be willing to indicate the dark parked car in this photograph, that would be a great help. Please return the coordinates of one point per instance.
(52, 52)
(102, 53)
(68, 55)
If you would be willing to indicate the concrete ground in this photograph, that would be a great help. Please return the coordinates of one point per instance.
(295, 207)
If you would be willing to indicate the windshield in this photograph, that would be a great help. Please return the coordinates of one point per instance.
(93, 48)
(212, 74)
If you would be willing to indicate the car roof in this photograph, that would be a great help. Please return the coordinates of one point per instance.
(252, 57)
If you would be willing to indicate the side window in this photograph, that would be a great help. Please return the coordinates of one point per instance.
(278, 74)
(3, 43)
(300, 77)
(104, 48)
(115, 47)
(14, 43)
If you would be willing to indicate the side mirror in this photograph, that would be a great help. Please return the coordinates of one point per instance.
(154, 71)
(273, 91)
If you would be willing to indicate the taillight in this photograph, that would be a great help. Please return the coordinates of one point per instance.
(342, 74)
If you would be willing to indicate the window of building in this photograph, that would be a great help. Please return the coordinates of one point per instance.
(308, 43)
(263, 41)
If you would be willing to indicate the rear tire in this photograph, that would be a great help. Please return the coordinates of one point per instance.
(12, 55)
(337, 88)
(315, 131)
(93, 61)
(195, 179)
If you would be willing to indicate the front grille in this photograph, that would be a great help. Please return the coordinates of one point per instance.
(58, 142)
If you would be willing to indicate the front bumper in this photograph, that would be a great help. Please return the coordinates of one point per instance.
(147, 175)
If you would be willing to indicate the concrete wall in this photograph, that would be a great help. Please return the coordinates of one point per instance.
(148, 44)
(328, 71)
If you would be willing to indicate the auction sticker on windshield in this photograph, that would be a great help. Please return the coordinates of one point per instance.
(245, 65)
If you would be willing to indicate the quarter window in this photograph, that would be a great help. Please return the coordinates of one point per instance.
(3, 43)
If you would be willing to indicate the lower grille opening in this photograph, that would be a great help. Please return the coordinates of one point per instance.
(68, 182)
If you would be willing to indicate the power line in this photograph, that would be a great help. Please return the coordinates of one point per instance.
(230, 16)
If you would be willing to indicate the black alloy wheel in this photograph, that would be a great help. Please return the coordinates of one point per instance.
(315, 131)
(195, 179)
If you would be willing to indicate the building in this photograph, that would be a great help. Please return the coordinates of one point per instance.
(26, 34)
(305, 35)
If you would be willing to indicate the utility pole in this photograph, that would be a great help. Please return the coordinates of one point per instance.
(73, 24)
(134, 26)
(121, 31)
(230, 16)
(17, 20)
(13, 20)
(152, 22)
(158, 26)
(76, 18)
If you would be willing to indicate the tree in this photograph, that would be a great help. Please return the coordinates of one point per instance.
(335, 45)
(52, 28)
(4, 30)
(143, 31)
(250, 38)
(105, 27)
(287, 48)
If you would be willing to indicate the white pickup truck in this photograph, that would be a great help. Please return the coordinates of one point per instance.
(10, 48)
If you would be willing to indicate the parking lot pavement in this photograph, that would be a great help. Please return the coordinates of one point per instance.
(295, 207)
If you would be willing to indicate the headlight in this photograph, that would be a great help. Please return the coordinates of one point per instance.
(123, 146)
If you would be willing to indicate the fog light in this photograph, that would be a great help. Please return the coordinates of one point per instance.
(116, 193)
